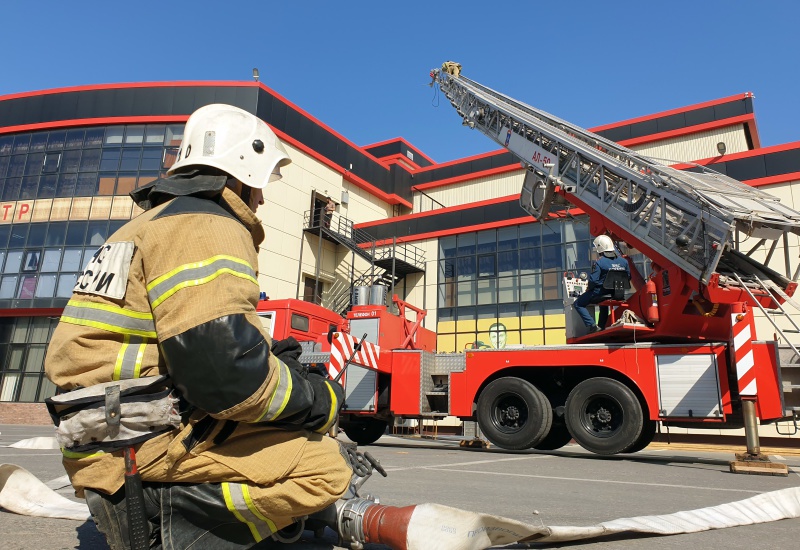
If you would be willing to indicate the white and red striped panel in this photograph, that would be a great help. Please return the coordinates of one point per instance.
(743, 336)
(342, 347)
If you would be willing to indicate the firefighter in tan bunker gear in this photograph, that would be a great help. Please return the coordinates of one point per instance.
(238, 452)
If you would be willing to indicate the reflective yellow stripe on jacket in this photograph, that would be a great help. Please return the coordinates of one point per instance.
(109, 317)
(280, 395)
(196, 274)
(129, 358)
(238, 501)
(332, 412)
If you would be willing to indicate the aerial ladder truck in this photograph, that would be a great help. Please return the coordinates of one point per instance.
(681, 348)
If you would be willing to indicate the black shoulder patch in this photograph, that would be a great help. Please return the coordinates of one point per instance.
(194, 205)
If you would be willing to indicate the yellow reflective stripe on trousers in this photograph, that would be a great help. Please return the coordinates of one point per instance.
(196, 274)
(129, 358)
(238, 501)
(280, 395)
(71, 454)
(109, 317)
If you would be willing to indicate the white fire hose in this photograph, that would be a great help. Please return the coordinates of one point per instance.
(438, 527)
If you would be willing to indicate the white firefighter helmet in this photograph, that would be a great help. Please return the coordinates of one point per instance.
(602, 244)
(234, 141)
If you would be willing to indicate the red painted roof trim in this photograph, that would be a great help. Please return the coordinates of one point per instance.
(93, 122)
(466, 159)
(320, 123)
(398, 158)
(346, 174)
(744, 154)
(507, 198)
(773, 180)
(713, 102)
(119, 85)
(401, 140)
(457, 230)
(471, 176)
(741, 119)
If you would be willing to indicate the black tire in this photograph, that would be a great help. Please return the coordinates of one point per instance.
(557, 437)
(364, 430)
(604, 416)
(645, 438)
(513, 414)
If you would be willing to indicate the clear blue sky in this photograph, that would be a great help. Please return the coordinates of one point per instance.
(362, 67)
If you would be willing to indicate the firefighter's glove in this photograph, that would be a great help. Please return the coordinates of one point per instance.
(289, 351)
(328, 399)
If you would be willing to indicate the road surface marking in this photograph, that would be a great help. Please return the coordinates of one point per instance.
(471, 463)
(584, 480)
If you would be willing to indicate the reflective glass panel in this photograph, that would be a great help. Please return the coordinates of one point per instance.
(46, 286)
(13, 261)
(130, 160)
(94, 137)
(8, 285)
(114, 135)
(11, 189)
(38, 141)
(65, 285)
(52, 258)
(72, 259)
(56, 140)
(154, 134)
(74, 139)
(134, 135)
(56, 233)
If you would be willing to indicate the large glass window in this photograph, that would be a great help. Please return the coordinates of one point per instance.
(23, 344)
(84, 172)
(501, 276)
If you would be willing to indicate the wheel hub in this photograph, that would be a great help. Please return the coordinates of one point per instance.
(510, 415)
(603, 415)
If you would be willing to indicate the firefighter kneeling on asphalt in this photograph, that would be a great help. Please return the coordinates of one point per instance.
(160, 350)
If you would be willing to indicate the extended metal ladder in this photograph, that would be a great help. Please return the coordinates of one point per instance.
(687, 217)
(790, 370)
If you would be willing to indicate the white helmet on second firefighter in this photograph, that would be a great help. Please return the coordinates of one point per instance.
(234, 141)
(603, 244)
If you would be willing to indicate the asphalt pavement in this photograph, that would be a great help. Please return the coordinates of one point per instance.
(565, 487)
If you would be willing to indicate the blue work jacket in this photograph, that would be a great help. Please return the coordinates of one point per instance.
(601, 267)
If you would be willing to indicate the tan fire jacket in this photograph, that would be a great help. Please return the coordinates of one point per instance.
(174, 292)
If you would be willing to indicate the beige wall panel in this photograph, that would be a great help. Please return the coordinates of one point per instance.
(363, 206)
(479, 189)
(286, 203)
(697, 146)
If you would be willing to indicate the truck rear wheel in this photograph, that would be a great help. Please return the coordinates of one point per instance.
(365, 430)
(604, 416)
(513, 414)
(645, 438)
(557, 437)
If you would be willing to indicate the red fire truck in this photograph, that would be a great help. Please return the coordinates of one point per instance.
(680, 347)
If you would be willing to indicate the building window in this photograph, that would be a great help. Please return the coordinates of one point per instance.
(507, 280)
(312, 290)
(23, 343)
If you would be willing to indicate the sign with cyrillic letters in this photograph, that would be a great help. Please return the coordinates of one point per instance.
(107, 272)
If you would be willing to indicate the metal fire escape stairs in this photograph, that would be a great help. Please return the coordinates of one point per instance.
(389, 264)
